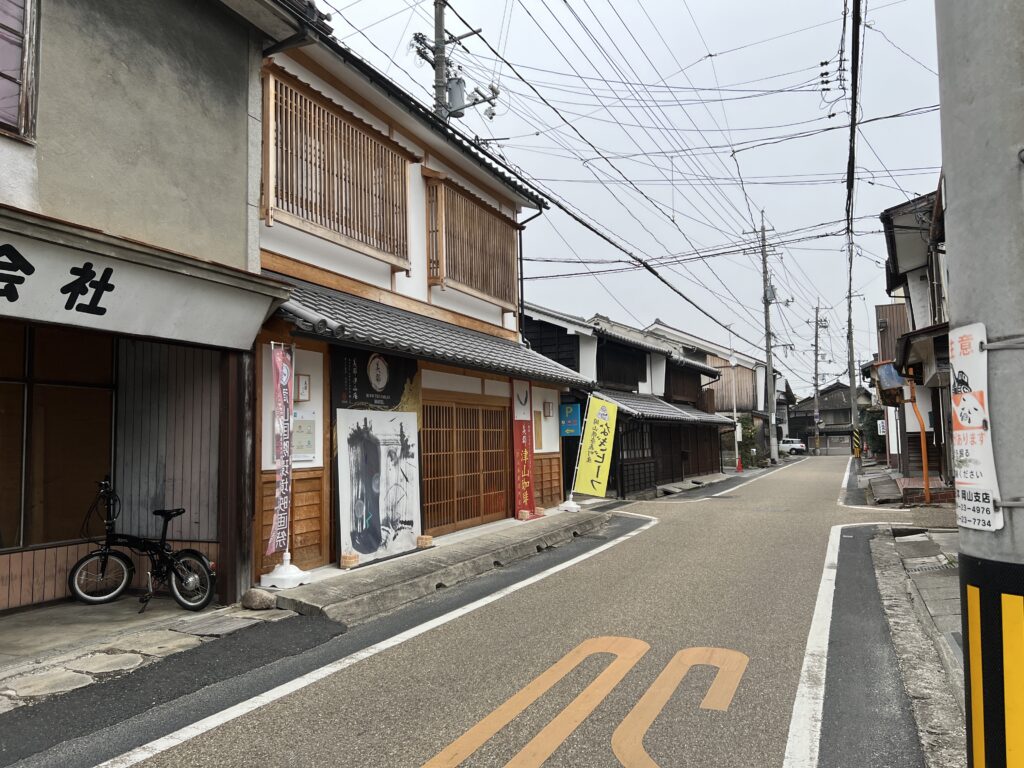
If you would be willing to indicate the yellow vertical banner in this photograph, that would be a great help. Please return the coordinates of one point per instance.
(595, 458)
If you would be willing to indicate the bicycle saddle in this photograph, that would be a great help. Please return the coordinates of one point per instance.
(168, 514)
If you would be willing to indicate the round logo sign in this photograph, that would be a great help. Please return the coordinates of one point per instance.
(377, 371)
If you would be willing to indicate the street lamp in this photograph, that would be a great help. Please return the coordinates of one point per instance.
(736, 424)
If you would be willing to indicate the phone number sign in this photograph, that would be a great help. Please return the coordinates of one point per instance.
(976, 487)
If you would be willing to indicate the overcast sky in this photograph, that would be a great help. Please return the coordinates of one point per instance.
(662, 134)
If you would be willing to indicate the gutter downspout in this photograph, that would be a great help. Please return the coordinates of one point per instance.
(522, 226)
(924, 436)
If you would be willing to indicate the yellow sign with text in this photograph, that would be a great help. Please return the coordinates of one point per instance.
(595, 459)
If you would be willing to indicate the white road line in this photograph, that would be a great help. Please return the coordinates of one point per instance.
(846, 479)
(200, 727)
(754, 480)
(805, 724)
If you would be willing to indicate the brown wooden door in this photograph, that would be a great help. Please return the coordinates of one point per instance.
(466, 465)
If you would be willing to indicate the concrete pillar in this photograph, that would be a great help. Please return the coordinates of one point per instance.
(981, 80)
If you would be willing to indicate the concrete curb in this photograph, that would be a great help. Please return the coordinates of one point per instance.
(954, 666)
(355, 597)
(939, 720)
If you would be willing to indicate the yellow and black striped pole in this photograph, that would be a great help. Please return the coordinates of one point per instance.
(992, 602)
(856, 443)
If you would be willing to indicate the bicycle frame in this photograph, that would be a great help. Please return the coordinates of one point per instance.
(161, 556)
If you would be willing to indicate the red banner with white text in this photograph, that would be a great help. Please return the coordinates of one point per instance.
(522, 449)
(281, 360)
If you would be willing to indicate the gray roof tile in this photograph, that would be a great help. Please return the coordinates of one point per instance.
(653, 407)
(370, 323)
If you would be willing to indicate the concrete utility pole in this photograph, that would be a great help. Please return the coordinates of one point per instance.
(852, 369)
(817, 411)
(440, 63)
(773, 440)
(983, 167)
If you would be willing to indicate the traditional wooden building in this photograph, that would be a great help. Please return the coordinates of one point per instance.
(400, 242)
(834, 409)
(667, 429)
(130, 285)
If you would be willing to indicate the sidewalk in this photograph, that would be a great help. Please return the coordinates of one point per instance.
(918, 582)
(356, 596)
(57, 648)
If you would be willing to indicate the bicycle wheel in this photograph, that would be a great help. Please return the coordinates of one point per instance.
(100, 577)
(191, 581)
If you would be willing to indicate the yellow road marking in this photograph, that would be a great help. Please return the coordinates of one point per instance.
(628, 739)
(627, 652)
(977, 689)
(1013, 678)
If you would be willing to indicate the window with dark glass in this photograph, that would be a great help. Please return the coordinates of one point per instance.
(56, 412)
(15, 65)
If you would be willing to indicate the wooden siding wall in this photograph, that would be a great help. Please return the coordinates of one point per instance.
(310, 546)
(683, 384)
(473, 246)
(703, 454)
(333, 173)
(894, 318)
(620, 365)
(553, 342)
(547, 479)
(167, 438)
(41, 575)
(745, 382)
(706, 401)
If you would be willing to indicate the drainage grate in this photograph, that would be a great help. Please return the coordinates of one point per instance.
(938, 567)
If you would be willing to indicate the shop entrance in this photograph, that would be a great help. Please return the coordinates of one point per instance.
(466, 465)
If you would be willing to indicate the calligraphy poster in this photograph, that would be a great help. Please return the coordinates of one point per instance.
(595, 459)
(522, 444)
(378, 481)
(281, 361)
(974, 463)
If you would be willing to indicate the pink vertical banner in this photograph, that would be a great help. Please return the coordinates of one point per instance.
(281, 363)
(522, 449)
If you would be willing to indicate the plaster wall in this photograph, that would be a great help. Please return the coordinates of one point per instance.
(143, 126)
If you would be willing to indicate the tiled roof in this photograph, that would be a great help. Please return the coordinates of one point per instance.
(702, 416)
(345, 318)
(652, 407)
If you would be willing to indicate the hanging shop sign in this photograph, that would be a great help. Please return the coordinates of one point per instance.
(371, 381)
(281, 359)
(595, 457)
(522, 437)
(569, 420)
(977, 489)
(378, 482)
(55, 284)
(880, 426)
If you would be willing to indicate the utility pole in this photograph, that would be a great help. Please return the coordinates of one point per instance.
(851, 365)
(440, 63)
(773, 440)
(982, 112)
(851, 168)
(817, 354)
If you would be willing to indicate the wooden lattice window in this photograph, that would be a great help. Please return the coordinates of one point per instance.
(466, 466)
(327, 172)
(471, 246)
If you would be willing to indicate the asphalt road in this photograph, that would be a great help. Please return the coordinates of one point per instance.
(575, 669)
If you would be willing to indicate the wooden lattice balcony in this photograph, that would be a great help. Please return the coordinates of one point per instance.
(330, 174)
(471, 247)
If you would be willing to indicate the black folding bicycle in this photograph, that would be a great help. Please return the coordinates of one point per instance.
(101, 576)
